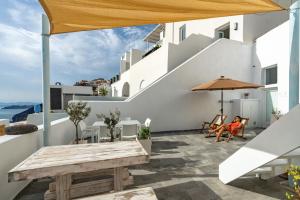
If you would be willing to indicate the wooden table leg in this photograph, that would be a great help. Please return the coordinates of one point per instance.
(118, 179)
(63, 186)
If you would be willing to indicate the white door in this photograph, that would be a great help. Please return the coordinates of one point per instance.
(250, 110)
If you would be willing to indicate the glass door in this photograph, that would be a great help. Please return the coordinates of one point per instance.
(272, 101)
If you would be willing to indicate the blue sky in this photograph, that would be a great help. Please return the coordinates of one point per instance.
(75, 56)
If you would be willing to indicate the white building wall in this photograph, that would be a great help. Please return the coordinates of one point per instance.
(135, 56)
(256, 25)
(149, 69)
(118, 86)
(158, 63)
(273, 49)
(186, 49)
(249, 26)
(205, 27)
(37, 118)
(77, 90)
(169, 101)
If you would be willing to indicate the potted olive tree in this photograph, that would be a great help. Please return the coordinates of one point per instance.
(144, 137)
(111, 121)
(77, 112)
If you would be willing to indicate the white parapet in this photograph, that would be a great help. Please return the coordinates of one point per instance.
(276, 141)
(4, 122)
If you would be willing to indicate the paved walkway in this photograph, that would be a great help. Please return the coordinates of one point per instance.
(184, 166)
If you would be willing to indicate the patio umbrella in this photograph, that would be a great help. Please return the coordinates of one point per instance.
(222, 84)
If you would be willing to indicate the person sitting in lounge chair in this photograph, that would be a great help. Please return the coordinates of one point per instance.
(233, 128)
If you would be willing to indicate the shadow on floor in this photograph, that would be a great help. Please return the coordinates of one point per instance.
(186, 191)
(270, 187)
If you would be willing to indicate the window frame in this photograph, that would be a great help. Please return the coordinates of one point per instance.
(182, 32)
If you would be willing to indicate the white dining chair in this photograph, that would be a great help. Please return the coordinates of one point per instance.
(127, 118)
(147, 122)
(103, 134)
(88, 131)
(129, 132)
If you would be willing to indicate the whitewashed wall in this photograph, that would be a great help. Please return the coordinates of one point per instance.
(159, 63)
(171, 104)
(177, 54)
(205, 27)
(273, 49)
(15, 149)
(249, 26)
(37, 118)
(256, 25)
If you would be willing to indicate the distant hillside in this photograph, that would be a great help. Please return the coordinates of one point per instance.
(5, 104)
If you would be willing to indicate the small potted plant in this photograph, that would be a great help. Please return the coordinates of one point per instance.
(276, 114)
(77, 112)
(144, 137)
(294, 182)
(111, 121)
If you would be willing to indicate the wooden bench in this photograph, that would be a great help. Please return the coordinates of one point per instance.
(136, 194)
(82, 170)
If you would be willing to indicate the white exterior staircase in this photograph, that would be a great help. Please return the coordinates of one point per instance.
(267, 154)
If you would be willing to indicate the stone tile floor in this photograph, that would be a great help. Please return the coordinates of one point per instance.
(184, 166)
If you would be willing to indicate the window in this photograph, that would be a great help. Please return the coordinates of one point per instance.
(271, 75)
(182, 33)
(223, 32)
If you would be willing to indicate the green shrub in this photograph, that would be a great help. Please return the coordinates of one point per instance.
(144, 133)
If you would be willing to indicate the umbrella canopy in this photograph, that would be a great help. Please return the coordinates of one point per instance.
(223, 83)
(82, 15)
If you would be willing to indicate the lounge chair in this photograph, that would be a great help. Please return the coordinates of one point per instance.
(241, 131)
(217, 121)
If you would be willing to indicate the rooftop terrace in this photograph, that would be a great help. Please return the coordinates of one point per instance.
(184, 165)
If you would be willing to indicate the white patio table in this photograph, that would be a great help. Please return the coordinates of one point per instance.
(66, 161)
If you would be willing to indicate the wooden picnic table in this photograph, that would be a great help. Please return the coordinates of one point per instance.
(62, 162)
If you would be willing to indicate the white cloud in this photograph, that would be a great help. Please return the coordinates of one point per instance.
(19, 47)
(73, 56)
(24, 15)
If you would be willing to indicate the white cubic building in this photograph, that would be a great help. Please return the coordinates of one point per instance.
(251, 48)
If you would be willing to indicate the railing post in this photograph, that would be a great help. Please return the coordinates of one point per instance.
(294, 55)
(46, 78)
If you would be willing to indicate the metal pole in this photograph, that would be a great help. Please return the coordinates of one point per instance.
(46, 78)
(222, 111)
(294, 55)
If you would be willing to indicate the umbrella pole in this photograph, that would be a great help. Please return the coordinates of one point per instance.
(222, 106)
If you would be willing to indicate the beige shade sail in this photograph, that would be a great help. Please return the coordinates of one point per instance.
(82, 15)
(223, 83)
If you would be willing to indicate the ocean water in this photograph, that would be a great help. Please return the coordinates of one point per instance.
(9, 113)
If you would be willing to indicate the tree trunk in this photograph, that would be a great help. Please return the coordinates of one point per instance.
(76, 134)
(111, 134)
